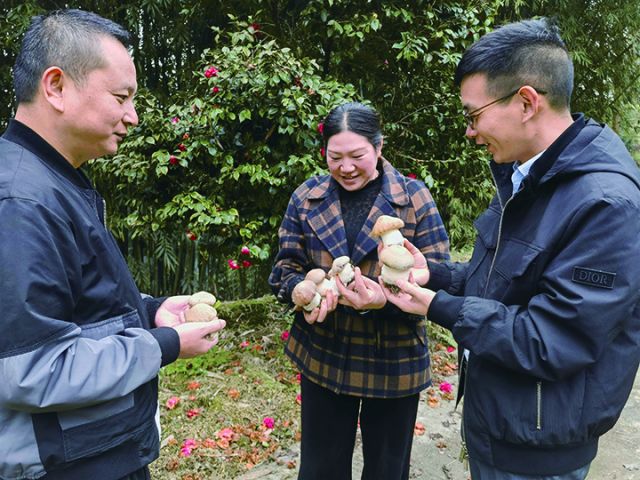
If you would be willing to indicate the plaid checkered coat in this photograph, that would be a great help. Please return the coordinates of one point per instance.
(380, 353)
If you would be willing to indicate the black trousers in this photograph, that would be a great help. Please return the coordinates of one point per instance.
(329, 424)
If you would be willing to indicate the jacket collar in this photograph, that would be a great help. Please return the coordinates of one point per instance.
(18, 133)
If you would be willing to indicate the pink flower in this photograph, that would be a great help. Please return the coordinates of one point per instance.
(233, 265)
(451, 349)
(193, 412)
(209, 443)
(446, 387)
(185, 452)
(245, 250)
(225, 434)
(173, 160)
(268, 422)
(185, 136)
(298, 377)
(412, 175)
(215, 90)
(172, 402)
(244, 344)
(284, 336)
(322, 152)
(189, 443)
(211, 72)
(320, 127)
(182, 147)
(175, 120)
(191, 236)
(193, 385)
(246, 263)
(299, 399)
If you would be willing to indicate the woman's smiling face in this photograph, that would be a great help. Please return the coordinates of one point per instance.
(352, 160)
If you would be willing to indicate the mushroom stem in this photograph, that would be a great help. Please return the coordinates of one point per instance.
(392, 237)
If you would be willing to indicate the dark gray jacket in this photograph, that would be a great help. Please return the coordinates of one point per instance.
(78, 357)
(549, 306)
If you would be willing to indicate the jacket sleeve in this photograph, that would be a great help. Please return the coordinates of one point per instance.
(567, 324)
(48, 362)
(291, 263)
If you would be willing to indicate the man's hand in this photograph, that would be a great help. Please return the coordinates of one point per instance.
(411, 298)
(361, 294)
(171, 312)
(197, 338)
(420, 271)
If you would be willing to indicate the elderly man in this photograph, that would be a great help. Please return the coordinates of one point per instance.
(548, 307)
(81, 348)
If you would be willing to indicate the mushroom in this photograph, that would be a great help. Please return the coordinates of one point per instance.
(397, 262)
(388, 229)
(323, 284)
(200, 312)
(305, 295)
(342, 267)
(202, 297)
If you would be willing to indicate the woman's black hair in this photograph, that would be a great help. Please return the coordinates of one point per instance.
(353, 117)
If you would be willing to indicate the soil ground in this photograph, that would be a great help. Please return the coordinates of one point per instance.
(435, 453)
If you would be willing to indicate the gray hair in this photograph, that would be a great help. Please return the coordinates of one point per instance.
(64, 38)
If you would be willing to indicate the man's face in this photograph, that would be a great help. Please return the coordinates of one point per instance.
(499, 125)
(352, 160)
(99, 110)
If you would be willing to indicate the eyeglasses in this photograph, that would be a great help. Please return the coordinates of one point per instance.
(472, 117)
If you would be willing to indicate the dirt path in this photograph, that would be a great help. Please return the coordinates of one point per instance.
(435, 453)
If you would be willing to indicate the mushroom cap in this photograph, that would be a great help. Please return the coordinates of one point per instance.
(386, 223)
(202, 297)
(201, 312)
(316, 275)
(340, 262)
(397, 257)
(303, 293)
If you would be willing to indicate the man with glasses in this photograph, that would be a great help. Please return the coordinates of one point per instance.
(548, 307)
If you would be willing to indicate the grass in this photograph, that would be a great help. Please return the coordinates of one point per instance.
(225, 412)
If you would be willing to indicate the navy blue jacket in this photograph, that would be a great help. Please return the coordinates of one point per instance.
(549, 306)
(78, 355)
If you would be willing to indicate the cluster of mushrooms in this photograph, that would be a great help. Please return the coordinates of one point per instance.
(397, 263)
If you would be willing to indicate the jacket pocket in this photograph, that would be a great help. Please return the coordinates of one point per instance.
(517, 269)
(97, 428)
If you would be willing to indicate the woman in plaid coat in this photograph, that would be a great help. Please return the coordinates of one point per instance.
(360, 358)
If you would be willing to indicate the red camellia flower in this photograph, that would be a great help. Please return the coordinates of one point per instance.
(256, 26)
(245, 251)
(233, 265)
(268, 422)
(193, 412)
(191, 236)
(451, 349)
(182, 147)
(173, 160)
(320, 127)
(246, 263)
(446, 387)
(211, 72)
(284, 336)
(412, 175)
(322, 152)
(215, 90)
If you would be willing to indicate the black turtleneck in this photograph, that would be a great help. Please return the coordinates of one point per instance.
(356, 206)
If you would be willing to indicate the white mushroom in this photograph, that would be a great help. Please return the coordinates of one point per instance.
(397, 262)
(323, 284)
(200, 312)
(202, 297)
(388, 229)
(342, 267)
(305, 295)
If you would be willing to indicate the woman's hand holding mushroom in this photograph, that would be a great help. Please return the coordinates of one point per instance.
(362, 293)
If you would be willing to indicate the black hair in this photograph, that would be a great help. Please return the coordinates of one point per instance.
(66, 39)
(530, 52)
(353, 117)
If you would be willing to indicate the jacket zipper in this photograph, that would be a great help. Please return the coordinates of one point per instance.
(464, 452)
(539, 405)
